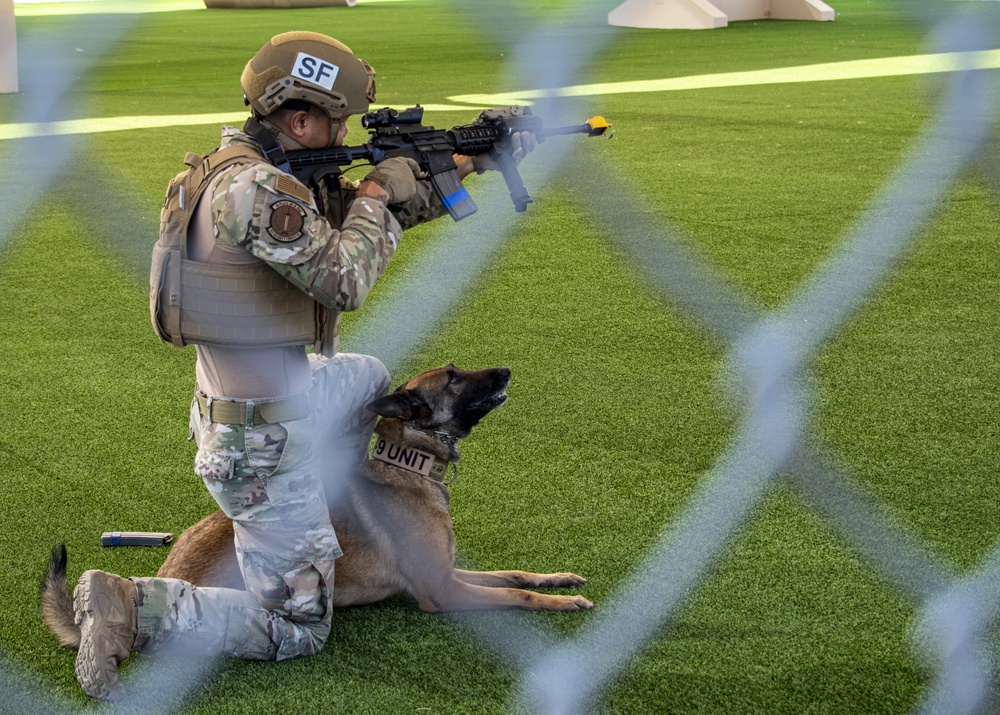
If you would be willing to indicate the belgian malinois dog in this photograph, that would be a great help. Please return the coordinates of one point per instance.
(392, 517)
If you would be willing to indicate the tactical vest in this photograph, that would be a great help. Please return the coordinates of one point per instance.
(221, 305)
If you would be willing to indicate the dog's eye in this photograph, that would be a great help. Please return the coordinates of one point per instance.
(454, 378)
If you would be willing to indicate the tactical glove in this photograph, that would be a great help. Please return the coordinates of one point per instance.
(521, 143)
(398, 176)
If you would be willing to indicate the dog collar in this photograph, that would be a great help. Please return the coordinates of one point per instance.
(411, 459)
(442, 437)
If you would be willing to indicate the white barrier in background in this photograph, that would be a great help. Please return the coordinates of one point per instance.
(711, 14)
(8, 48)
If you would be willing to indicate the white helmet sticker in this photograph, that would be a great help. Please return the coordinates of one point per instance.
(315, 71)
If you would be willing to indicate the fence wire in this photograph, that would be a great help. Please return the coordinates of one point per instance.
(768, 351)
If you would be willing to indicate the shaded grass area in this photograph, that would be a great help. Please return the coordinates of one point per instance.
(617, 408)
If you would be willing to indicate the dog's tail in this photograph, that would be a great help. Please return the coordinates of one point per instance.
(56, 602)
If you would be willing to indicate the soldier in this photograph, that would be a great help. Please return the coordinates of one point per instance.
(251, 267)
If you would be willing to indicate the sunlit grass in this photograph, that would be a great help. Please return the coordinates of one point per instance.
(618, 401)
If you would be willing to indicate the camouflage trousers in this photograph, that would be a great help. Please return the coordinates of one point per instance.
(273, 481)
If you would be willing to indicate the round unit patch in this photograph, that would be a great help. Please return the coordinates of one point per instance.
(287, 220)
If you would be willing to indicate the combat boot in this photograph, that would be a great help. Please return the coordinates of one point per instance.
(106, 609)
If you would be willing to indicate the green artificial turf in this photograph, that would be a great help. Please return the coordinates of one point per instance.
(618, 407)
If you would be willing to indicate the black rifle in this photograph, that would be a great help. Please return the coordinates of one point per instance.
(400, 133)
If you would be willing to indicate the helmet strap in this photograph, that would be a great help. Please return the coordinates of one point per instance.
(282, 137)
(334, 130)
(273, 150)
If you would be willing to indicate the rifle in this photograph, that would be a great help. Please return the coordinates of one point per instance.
(400, 133)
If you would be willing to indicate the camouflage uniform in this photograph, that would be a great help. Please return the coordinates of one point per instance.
(258, 208)
(265, 476)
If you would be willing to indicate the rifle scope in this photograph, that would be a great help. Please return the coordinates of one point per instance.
(387, 117)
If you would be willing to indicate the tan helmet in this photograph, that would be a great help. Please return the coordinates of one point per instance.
(310, 67)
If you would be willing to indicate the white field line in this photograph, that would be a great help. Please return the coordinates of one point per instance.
(853, 69)
(114, 124)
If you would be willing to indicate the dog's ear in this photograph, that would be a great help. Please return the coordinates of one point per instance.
(401, 404)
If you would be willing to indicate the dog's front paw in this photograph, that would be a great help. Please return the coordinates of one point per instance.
(579, 603)
(564, 580)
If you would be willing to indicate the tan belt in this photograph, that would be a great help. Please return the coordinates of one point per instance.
(248, 412)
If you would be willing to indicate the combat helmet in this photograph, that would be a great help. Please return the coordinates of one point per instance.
(310, 67)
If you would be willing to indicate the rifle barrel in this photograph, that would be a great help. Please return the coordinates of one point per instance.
(595, 127)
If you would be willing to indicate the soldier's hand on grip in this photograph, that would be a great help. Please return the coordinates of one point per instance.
(521, 144)
(398, 176)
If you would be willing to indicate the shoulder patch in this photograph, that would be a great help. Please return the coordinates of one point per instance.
(286, 222)
(290, 187)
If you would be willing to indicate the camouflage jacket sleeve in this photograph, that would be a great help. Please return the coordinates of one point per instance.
(276, 219)
(424, 207)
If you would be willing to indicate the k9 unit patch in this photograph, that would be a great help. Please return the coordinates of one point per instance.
(287, 221)
(409, 458)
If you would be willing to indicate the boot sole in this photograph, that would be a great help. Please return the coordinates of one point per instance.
(97, 615)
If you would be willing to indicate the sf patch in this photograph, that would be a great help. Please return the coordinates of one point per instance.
(287, 220)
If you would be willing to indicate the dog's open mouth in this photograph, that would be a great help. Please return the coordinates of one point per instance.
(490, 402)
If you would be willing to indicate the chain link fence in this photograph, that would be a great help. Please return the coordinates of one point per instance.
(768, 352)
